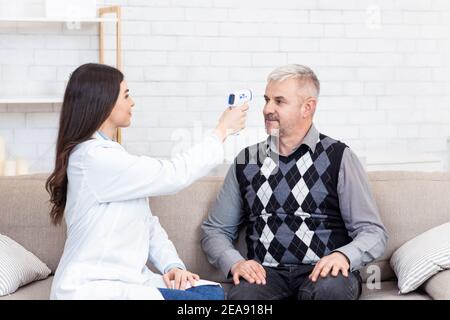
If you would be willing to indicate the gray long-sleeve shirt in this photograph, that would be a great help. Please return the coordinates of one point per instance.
(356, 202)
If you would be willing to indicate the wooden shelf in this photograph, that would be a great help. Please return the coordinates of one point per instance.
(31, 99)
(100, 20)
(62, 20)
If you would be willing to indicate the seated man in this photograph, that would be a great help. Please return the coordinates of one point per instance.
(304, 198)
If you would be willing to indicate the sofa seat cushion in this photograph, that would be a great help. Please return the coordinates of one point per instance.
(37, 290)
(40, 290)
(438, 286)
(389, 291)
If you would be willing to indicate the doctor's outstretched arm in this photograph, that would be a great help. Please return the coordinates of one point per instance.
(115, 175)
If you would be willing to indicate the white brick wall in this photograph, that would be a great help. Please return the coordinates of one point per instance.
(384, 67)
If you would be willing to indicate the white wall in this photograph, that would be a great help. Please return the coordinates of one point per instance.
(384, 66)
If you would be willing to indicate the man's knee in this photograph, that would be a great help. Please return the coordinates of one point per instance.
(333, 288)
(247, 291)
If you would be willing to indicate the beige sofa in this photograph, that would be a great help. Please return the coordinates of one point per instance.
(410, 203)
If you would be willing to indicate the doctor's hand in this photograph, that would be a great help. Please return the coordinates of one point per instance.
(250, 270)
(180, 278)
(231, 121)
(334, 263)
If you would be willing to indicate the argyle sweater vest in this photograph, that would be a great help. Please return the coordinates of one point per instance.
(291, 204)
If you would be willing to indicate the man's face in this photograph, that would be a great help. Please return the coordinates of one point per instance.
(284, 111)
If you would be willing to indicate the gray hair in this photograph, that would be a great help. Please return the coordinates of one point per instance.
(296, 71)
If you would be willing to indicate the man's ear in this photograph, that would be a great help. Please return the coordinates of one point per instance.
(309, 107)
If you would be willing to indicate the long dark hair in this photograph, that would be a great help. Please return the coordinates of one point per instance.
(90, 96)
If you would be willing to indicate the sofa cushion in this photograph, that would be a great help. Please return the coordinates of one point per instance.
(18, 266)
(181, 215)
(438, 286)
(388, 290)
(25, 217)
(37, 290)
(422, 257)
(409, 205)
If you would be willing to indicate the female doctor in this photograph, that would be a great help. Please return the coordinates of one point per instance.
(103, 190)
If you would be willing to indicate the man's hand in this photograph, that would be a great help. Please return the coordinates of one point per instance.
(250, 270)
(333, 263)
(180, 278)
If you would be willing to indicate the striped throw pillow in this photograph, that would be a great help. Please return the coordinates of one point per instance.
(422, 257)
(18, 266)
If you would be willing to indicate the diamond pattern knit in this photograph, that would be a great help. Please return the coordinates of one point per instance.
(291, 203)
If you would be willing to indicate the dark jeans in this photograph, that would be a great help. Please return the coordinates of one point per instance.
(293, 283)
(208, 292)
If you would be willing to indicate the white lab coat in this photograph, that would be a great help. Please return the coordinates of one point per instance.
(111, 232)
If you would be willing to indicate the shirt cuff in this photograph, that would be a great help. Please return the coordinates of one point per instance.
(228, 259)
(174, 265)
(353, 255)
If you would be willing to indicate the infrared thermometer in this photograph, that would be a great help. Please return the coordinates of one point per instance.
(238, 98)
